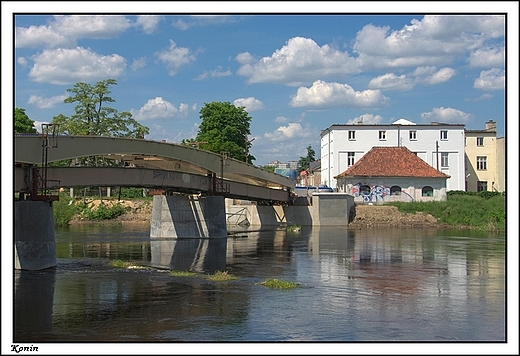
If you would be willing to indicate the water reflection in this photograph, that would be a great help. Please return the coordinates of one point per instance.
(198, 255)
(357, 285)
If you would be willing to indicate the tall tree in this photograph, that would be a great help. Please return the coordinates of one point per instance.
(22, 122)
(224, 128)
(94, 117)
(305, 162)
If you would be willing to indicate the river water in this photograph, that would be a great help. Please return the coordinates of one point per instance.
(354, 286)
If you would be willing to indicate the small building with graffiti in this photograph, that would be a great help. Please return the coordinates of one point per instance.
(386, 174)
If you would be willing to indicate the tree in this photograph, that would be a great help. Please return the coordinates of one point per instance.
(92, 115)
(22, 122)
(305, 162)
(224, 128)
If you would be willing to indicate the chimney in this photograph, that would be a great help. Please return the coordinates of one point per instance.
(491, 126)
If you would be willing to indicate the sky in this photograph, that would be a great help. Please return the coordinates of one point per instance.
(297, 67)
(295, 73)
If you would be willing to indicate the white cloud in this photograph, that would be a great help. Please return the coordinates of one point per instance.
(366, 119)
(441, 76)
(66, 66)
(292, 130)
(138, 63)
(91, 26)
(488, 57)
(216, 73)
(158, 108)
(46, 103)
(251, 104)
(175, 57)
(493, 79)
(148, 22)
(390, 81)
(434, 40)
(22, 61)
(326, 95)
(446, 115)
(40, 36)
(426, 75)
(202, 20)
(300, 61)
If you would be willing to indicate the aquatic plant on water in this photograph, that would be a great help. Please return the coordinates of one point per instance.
(176, 273)
(221, 276)
(126, 264)
(279, 284)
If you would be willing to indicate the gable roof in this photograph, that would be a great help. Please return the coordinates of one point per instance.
(391, 162)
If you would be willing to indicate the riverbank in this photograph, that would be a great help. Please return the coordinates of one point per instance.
(140, 211)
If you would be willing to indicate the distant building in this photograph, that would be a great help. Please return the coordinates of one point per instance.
(439, 145)
(386, 174)
(485, 160)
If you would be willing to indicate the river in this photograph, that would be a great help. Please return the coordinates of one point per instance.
(363, 286)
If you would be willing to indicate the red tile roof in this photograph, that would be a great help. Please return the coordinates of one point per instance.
(391, 162)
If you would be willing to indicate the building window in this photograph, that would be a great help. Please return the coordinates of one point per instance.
(444, 135)
(382, 135)
(352, 135)
(427, 191)
(480, 141)
(350, 159)
(481, 186)
(444, 159)
(413, 135)
(395, 190)
(481, 163)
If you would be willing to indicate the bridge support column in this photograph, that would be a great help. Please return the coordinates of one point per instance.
(35, 246)
(181, 216)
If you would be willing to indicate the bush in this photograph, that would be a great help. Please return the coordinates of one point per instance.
(64, 210)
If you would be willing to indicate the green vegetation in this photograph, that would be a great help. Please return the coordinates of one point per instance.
(219, 276)
(305, 162)
(125, 264)
(293, 228)
(224, 128)
(102, 212)
(176, 273)
(66, 208)
(22, 122)
(483, 211)
(279, 284)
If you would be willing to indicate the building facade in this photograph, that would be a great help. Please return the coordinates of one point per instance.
(485, 160)
(388, 174)
(439, 145)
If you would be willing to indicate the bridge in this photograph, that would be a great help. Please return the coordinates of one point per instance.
(140, 163)
(203, 179)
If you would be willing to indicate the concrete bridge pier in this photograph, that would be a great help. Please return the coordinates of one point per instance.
(183, 216)
(35, 247)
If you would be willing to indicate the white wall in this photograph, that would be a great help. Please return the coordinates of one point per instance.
(411, 189)
(335, 140)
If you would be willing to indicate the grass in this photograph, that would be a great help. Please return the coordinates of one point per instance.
(477, 212)
(219, 276)
(176, 273)
(125, 264)
(278, 284)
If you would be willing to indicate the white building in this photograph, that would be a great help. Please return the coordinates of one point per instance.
(439, 145)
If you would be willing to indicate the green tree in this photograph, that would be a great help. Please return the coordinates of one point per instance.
(22, 122)
(305, 162)
(94, 117)
(224, 128)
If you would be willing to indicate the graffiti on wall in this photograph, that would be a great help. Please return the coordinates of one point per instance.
(376, 193)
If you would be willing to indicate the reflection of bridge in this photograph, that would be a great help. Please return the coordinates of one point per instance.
(204, 178)
(143, 163)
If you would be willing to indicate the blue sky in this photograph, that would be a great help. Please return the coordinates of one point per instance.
(296, 74)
